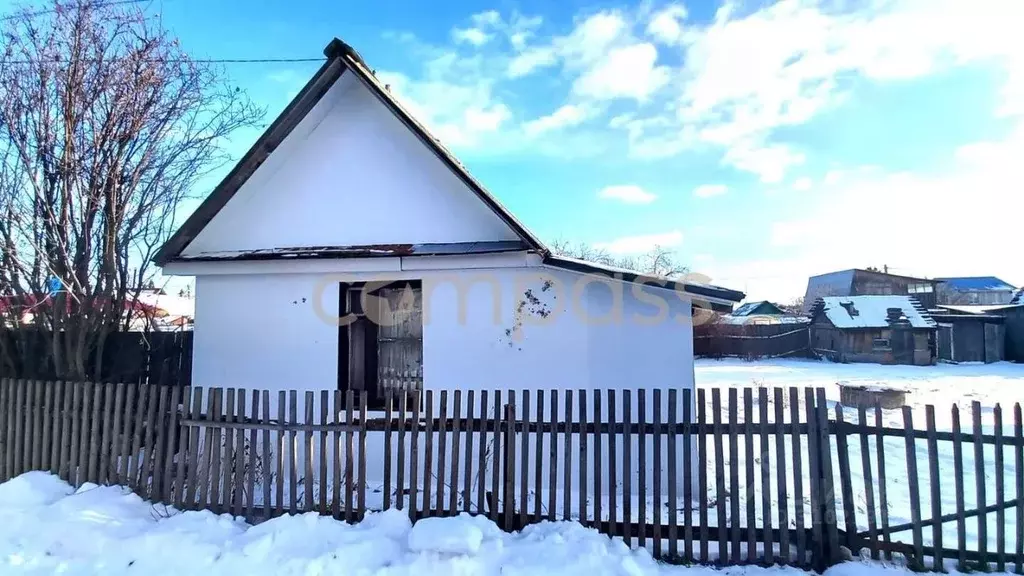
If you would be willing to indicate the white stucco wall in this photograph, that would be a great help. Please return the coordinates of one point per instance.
(349, 174)
(263, 331)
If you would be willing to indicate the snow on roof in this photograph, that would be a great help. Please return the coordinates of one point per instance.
(978, 308)
(872, 311)
(977, 283)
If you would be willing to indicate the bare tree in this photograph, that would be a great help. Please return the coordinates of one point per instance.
(658, 261)
(106, 124)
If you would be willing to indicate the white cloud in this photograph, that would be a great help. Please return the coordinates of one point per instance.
(641, 244)
(770, 161)
(803, 184)
(628, 193)
(666, 26)
(566, 116)
(474, 36)
(710, 190)
(626, 72)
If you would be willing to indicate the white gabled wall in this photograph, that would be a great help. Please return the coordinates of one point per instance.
(350, 174)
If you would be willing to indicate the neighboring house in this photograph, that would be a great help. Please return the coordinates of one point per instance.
(882, 329)
(170, 312)
(761, 312)
(1001, 335)
(858, 282)
(982, 290)
(348, 249)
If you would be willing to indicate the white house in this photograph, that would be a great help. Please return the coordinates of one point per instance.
(350, 249)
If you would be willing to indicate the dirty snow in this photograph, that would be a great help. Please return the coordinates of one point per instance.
(46, 528)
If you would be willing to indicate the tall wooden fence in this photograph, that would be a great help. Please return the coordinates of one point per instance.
(728, 476)
(157, 358)
(751, 340)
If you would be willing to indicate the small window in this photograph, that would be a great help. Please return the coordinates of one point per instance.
(919, 288)
(880, 344)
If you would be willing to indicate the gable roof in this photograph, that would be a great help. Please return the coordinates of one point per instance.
(977, 283)
(870, 311)
(341, 59)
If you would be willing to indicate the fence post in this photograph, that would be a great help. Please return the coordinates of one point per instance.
(828, 489)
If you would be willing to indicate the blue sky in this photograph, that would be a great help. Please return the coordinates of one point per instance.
(762, 141)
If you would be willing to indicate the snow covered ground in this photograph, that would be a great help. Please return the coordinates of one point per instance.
(46, 527)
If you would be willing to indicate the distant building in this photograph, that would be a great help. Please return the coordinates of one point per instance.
(981, 332)
(859, 282)
(983, 290)
(891, 329)
(762, 312)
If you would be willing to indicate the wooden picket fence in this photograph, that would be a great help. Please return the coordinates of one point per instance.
(725, 476)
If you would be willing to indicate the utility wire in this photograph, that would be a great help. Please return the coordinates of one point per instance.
(183, 60)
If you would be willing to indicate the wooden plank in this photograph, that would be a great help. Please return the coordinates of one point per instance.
(239, 493)
(553, 468)
(702, 476)
(780, 477)
(735, 520)
(7, 405)
(361, 487)
(869, 484)
(453, 490)
(349, 462)
(325, 401)
(171, 448)
(657, 469)
(442, 453)
(687, 475)
(641, 454)
(598, 470)
(307, 454)
(510, 461)
(496, 457)
(798, 479)
(403, 409)
(567, 476)
(135, 456)
(66, 418)
(979, 481)
(846, 481)
(817, 544)
(766, 478)
(583, 489)
(522, 414)
(538, 465)
(254, 440)
(56, 421)
(481, 468)
(280, 457)
(467, 480)
(37, 425)
(77, 400)
(1018, 442)
(720, 475)
(936, 491)
(19, 432)
(180, 477)
(613, 488)
(113, 442)
(958, 478)
(824, 437)
(388, 407)
(293, 460)
(160, 435)
(913, 487)
(414, 462)
(215, 447)
(1019, 459)
(85, 449)
(337, 468)
(883, 500)
(627, 466)
(228, 453)
(106, 434)
(46, 439)
(206, 452)
(193, 475)
(672, 478)
(997, 429)
(751, 479)
(428, 456)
